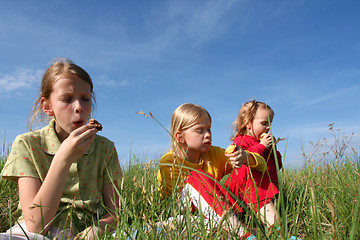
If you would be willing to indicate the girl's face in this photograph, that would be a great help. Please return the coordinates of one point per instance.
(70, 103)
(197, 139)
(260, 124)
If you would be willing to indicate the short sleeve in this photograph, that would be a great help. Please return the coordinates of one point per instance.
(20, 162)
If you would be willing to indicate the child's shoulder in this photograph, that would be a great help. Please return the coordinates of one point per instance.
(36, 135)
(168, 157)
(28, 136)
(240, 136)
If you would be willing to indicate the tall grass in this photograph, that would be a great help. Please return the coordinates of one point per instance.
(320, 200)
(8, 196)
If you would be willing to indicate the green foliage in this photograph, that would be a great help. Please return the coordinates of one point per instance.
(323, 200)
(8, 198)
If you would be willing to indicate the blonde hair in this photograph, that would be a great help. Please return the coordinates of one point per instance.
(247, 114)
(184, 117)
(59, 67)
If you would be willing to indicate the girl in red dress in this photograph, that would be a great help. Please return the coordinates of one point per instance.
(252, 133)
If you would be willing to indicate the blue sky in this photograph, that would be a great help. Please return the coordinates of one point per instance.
(300, 57)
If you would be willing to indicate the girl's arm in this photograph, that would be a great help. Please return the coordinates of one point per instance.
(111, 201)
(266, 146)
(260, 149)
(240, 156)
(40, 201)
(251, 145)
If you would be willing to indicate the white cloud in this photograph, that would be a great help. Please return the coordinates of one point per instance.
(105, 81)
(305, 103)
(207, 23)
(21, 78)
(182, 23)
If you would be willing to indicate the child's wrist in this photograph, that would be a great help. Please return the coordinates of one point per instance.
(263, 144)
(266, 145)
(101, 228)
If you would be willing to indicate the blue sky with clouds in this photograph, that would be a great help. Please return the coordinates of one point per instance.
(301, 57)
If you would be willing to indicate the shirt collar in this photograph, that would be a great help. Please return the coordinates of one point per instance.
(50, 142)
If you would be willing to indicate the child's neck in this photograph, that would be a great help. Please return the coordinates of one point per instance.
(249, 134)
(192, 156)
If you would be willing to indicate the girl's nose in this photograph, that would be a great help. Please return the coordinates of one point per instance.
(78, 108)
(208, 134)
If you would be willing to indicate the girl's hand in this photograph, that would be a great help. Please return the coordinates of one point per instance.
(90, 233)
(266, 140)
(237, 158)
(77, 143)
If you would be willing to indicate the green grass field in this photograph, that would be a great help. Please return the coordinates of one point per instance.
(320, 200)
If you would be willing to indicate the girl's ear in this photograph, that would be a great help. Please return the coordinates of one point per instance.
(180, 137)
(46, 106)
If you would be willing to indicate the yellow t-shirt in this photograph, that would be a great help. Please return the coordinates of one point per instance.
(173, 170)
(31, 156)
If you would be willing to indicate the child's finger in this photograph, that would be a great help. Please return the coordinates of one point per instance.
(84, 133)
(239, 165)
(83, 129)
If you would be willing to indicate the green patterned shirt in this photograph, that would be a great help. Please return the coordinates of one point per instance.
(81, 202)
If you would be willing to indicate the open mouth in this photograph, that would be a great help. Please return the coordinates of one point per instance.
(79, 123)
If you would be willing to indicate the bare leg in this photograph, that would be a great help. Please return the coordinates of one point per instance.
(235, 225)
(268, 214)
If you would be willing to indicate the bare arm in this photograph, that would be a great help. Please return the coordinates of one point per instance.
(111, 201)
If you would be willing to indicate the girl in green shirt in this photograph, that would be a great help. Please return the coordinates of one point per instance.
(66, 173)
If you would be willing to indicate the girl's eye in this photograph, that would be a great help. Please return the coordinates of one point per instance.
(66, 100)
(203, 130)
(86, 99)
(200, 130)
